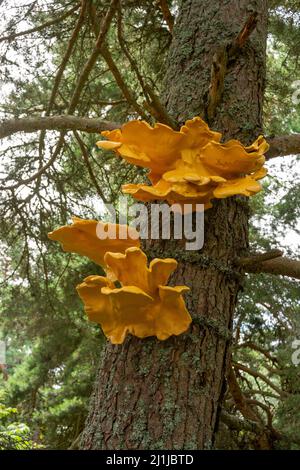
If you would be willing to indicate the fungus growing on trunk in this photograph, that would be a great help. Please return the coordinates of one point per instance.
(82, 237)
(143, 305)
(190, 165)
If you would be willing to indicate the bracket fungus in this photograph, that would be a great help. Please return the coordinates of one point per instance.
(190, 165)
(144, 305)
(81, 238)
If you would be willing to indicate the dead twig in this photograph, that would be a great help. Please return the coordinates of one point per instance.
(225, 56)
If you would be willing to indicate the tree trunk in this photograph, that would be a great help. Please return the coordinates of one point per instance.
(152, 394)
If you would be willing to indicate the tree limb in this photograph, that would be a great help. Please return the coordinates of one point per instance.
(279, 266)
(120, 81)
(66, 57)
(267, 410)
(255, 347)
(257, 258)
(59, 123)
(168, 17)
(238, 424)
(239, 398)
(279, 146)
(153, 103)
(76, 94)
(257, 374)
(93, 57)
(271, 262)
(113, 67)
(58, 77)
(283, 145)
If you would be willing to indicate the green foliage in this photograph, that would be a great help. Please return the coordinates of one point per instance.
(14, 435)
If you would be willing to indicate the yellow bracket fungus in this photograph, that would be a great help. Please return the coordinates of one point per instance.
(81, 238)
(143, 306)
(190, 165)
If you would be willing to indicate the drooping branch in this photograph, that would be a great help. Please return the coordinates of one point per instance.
(120, 81)
(152, 103)
(42, 169)
(59, 123)
(66, 57)
(239, 398)
(238, 424)
(255, 347)
(261, 376)
(264, 407)
(83, 77)
(103, 49)
(252, 421)
(59, 75)
(62, 17)
(90, 170)
(125, 50)
(247, 411)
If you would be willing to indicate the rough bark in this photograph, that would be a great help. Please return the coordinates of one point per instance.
(167, 395)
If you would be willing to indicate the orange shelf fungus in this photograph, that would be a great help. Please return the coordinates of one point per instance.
(190, 165)
(81, 238)
(144, 306)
